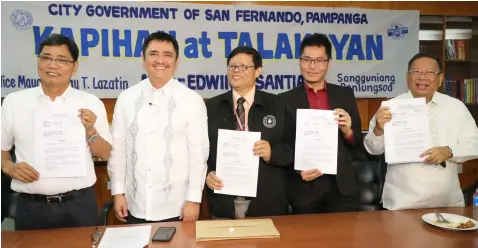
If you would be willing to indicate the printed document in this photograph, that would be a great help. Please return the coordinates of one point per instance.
(407, 135)
(316, 141)
(236, 164)
(60, 142)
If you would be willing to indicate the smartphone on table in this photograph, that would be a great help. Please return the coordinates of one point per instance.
(164, 234)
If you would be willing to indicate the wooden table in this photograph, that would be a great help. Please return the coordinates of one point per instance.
(363, 229)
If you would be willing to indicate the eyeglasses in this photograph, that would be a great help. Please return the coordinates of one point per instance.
(308, 60)
(240, 67)
(428, 74)
(48, 60)
(157, 56)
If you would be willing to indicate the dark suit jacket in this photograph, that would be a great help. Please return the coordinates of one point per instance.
(272, 197)
(348, 153)
(6, 189)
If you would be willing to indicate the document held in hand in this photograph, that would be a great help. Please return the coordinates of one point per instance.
(235, 229)
(236, 164)
(60, 142)
(407, 134)
(316, 141)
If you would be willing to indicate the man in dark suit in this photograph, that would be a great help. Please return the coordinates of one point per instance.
(247, 109)
(312, 191)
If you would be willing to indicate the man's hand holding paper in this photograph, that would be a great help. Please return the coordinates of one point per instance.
(262, 149)
(437, 155)
(344, 121)
(21, 171)
(310, 175)
(382, 116)
(214, 182)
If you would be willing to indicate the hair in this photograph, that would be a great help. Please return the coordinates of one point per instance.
(319, 40)
(59, 40)
(256, 56)
(425, 55)
(161, 36)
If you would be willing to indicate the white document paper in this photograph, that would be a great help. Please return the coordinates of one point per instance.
(236, 164)
(407, 135)
(126, 237)
(316, 141)
(60, 142)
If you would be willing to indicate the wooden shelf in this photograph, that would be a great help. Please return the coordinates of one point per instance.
(461, 61)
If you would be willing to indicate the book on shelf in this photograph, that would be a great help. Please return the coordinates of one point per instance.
(465, 90)
(455, 50)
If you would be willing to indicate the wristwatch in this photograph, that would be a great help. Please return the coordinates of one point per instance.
(92, 138)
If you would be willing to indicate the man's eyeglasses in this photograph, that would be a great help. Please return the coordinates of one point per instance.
(308, 60)
(48, 60)
(240, 67)
(428, 74)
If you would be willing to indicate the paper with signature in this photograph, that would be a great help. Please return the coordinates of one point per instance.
(316, 141)
(407, 134)
(236, 164)
(60, 142)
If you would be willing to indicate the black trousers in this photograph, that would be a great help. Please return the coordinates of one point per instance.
(6, 190)
(321, 196)
(133, 220)
(81, 211)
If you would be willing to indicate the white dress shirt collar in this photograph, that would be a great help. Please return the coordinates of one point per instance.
(151, 94)
(249, 96)
(43, 97)
(166, 89)
(437, 97)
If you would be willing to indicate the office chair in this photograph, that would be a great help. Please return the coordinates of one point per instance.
(370, 176)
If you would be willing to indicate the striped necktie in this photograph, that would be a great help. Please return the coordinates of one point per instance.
(241, 115)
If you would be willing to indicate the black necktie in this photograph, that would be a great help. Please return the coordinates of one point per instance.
(241, 115)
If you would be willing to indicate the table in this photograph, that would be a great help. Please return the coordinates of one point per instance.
(361, 229)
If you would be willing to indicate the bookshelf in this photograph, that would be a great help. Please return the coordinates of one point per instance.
(461, 59)
(454, 39)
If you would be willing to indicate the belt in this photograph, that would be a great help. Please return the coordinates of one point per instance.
(55, 199)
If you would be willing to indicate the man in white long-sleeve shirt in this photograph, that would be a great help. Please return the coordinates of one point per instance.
(454, 133)
(160, 142)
